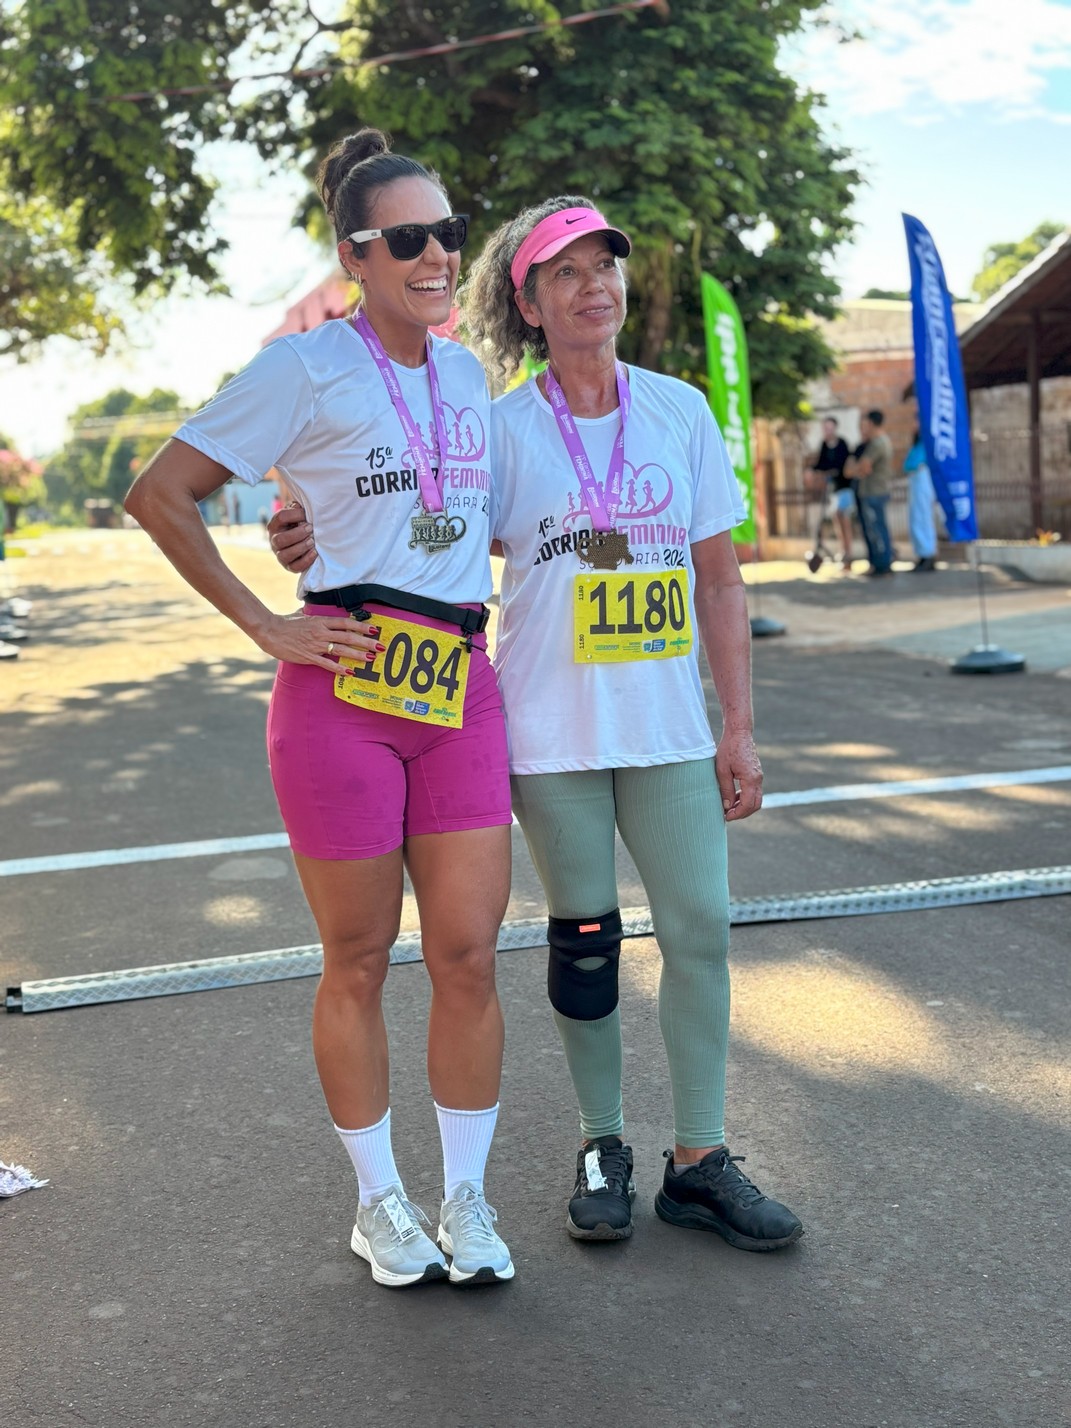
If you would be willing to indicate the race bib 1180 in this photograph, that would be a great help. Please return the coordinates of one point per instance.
(421, 675)
(632, 616)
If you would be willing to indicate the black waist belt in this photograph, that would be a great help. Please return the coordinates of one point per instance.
(354, 597)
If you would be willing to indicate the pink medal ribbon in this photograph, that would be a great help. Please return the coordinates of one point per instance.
(431, 485)
(602, 501)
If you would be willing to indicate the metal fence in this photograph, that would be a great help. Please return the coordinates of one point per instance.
(1001, 486)
(1002, 481)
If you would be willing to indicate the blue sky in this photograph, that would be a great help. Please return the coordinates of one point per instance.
(959, 111)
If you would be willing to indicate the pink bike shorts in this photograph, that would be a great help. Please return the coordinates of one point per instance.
(355, 783)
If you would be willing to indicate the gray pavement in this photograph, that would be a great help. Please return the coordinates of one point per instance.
(903, 1081)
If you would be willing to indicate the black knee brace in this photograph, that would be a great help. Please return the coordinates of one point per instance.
(585, 994)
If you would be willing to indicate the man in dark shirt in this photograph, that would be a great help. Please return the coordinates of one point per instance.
(838, 491)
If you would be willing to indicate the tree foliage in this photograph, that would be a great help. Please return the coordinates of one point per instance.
(683, 127)
(130, 173)
(46, 289)
(109, 444)
(1002, 261)
(20, 481)
(685, 130)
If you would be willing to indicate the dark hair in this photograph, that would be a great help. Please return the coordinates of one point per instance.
(876, 418)
(350, 177)
(833, 419)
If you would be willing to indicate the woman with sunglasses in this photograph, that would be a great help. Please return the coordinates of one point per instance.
(385, 733)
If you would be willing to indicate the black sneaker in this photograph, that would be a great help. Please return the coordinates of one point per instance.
(601, 1207)
(715, 1195)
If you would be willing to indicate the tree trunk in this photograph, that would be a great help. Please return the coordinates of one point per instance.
(657, 298)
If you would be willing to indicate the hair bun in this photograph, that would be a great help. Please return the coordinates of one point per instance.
(365, 144)
(345, 155)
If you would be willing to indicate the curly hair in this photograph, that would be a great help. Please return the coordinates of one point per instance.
(499, 333)
(350, 177)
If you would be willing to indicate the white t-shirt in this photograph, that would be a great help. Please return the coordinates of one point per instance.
(314, 407)
(678, 488)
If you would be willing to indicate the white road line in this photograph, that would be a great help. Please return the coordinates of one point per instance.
(153, 853)
(258, 842)
(955, 783)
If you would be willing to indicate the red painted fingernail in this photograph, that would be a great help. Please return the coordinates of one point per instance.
(370, 655)
(373, 630)
(381, 647)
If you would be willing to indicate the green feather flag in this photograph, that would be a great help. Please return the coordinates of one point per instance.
(729, 391)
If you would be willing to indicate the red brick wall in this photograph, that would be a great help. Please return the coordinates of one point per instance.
(870, 381)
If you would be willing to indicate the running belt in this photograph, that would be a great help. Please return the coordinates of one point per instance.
(354, 597)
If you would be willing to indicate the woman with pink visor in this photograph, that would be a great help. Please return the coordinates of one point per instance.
(615, 502)
(385, 732)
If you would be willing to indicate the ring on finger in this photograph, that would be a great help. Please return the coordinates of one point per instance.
(331, 647)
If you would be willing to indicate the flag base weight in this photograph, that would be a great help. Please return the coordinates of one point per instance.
(762, 628)
(988, 659)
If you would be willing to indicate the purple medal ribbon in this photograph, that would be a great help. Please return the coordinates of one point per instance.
(431, 486)
(602, 501)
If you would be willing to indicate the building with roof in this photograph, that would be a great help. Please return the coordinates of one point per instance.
(1017, 367)
(1016, 351)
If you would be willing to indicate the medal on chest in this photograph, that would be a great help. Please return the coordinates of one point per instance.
(603, 547)
(603, 550)
(435, 531)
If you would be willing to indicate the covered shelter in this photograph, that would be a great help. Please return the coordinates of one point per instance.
(1023, 335)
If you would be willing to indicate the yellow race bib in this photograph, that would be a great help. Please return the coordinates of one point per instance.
(421, 675)
(634, 616)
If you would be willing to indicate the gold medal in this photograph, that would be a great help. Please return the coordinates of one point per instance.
(435, 531)
(604, 550)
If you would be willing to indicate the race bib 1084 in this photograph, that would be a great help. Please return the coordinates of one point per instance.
(421, 675)
(634, 616)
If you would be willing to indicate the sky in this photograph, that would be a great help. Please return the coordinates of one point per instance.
(958, 111)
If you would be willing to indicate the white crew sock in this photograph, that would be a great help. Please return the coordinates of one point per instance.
(373, 1159)
(466, 1138)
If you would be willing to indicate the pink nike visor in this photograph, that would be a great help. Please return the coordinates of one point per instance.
(557, 231)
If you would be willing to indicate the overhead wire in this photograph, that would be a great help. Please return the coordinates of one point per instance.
(393, 57)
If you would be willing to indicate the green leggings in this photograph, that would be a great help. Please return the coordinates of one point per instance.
(670, 818)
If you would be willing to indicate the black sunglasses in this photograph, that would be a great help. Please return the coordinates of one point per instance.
(408, 240)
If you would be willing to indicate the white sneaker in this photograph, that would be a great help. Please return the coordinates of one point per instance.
(467, 1234)
(389, 1234)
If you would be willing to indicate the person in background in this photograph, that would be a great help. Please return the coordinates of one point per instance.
(837, 488)
(872, 465)
(920, 500)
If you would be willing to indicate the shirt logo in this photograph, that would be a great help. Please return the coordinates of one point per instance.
(465, 436)
(645, 491)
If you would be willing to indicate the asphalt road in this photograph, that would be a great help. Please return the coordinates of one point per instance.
(901, 1080)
